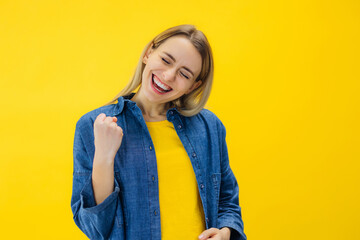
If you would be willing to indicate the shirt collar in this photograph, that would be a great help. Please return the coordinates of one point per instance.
(122, 100)
(125, 100)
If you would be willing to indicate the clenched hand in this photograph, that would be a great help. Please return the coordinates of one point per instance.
(108, 136)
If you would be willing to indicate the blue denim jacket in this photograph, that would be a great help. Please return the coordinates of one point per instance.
(132, 210)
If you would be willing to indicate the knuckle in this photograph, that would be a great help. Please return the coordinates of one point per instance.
(100, 115)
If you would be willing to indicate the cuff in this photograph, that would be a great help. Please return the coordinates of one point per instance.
(236, 232)
(88, 200)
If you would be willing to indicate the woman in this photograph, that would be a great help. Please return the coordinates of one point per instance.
(122, 187)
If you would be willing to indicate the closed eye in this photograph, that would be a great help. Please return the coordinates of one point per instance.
(184, 75)
(165, 61)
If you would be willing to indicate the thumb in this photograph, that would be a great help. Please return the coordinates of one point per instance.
(207, 233)
(114, 119)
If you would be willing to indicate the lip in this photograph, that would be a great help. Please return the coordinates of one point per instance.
(155, 88)
(162, 82)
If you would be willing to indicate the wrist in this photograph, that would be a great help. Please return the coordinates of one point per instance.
(102, 158)
(226, 232)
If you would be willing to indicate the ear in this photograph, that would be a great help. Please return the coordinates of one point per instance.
(194, 86)
(147, 54)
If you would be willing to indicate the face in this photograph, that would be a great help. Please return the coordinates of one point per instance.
(170, 70)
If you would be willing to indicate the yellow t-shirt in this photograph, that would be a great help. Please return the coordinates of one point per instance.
(181, 211)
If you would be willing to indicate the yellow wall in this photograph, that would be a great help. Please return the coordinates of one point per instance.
(286, 87)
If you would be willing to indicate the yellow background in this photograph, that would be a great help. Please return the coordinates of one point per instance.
(286, 88)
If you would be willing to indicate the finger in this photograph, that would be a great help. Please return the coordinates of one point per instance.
(114, 119)
(121, 130)
(208, 233)
(108, 120)
(101, 116)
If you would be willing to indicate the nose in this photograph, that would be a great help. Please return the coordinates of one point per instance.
(169, 74)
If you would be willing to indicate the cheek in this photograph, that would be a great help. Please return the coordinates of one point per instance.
(151, 68)
(154, 62)
(188, 83)
(147, 70)
(183, 86)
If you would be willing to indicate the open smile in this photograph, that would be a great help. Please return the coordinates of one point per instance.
(158, 86)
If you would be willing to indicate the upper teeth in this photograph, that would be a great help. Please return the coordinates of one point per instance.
(164, 87)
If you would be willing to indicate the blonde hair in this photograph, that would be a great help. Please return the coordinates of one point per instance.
(188, 104)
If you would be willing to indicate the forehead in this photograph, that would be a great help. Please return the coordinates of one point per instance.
(183, 51)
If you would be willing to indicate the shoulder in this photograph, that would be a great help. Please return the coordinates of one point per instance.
(208, 119)
(208, 115)
(211, 117)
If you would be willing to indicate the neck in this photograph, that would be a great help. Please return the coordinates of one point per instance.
(151, 111)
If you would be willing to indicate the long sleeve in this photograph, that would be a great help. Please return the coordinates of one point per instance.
(96, 221)
(229, 214)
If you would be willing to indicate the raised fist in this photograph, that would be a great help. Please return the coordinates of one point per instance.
(108, 136)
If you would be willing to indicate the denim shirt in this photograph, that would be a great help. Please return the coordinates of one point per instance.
(132, 210)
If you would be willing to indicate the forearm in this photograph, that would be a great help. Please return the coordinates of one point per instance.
(94, 200)
(102, 178)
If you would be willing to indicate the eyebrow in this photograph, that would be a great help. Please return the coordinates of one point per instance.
(187, 69)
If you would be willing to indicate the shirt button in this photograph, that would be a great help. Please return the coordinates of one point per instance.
(153, 178)
(179, 126)
(155, 212)
(202, 186)
(207, 219)
(150, 147)
(194, 154)
(197, 165)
